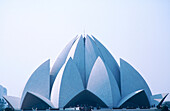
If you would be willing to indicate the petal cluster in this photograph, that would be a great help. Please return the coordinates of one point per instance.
(86, 74)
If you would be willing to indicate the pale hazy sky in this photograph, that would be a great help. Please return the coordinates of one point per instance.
(32, 31)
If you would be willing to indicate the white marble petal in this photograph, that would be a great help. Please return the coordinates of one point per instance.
(14, 102)
(91, 54)
(137, 98)
(39, 82)
(109, 60)
(103, 84)
(131, 80)
(67, 84)
(34, 100)
(77, 53)
(158, 99)
(61, 60)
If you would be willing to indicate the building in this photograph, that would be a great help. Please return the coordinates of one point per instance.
(3, 91)
(85, 74)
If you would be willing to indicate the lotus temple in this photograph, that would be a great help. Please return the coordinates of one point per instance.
(85, 74)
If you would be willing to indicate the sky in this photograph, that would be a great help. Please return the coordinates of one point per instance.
(33, 31)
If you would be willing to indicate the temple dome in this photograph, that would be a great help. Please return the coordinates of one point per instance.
(86, 74)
